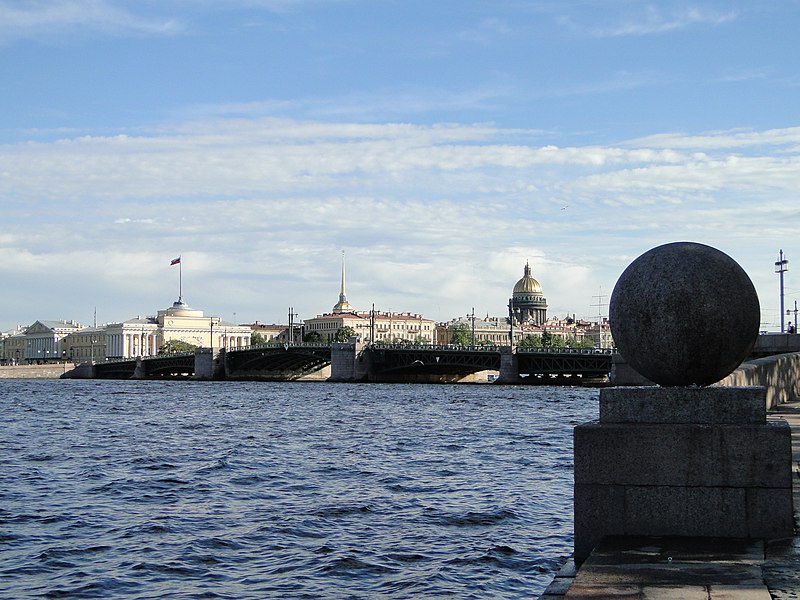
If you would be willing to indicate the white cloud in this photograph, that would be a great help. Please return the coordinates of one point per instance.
(434, 219)
(34, 18)
(656, 20)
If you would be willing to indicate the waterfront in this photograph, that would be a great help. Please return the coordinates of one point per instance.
(309, 490)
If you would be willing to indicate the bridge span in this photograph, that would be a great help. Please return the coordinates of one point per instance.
(370, 363)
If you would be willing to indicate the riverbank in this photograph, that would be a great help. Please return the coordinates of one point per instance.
(48, 371)
(692, 567)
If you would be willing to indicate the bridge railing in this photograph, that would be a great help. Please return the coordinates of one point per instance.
(567, 350)
(478, 348)
(282, 345)
(169, 355)
(437, 347)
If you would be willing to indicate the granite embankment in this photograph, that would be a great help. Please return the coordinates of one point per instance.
(49, 371)
(779, 374)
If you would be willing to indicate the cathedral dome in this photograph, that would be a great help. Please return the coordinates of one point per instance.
(527, 285)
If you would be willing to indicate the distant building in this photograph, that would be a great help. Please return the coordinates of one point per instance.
(370, 326)
(388, 327)
(491, 331)
(270, 333)
(528, 309)
(145, 336)
(342, 306)
(38, 343)
(84, 345)
(527, 303)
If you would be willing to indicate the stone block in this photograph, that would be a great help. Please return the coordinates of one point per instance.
(684, 455)
(599, 511)
(686, 511)
(711, 405)
(770, 513)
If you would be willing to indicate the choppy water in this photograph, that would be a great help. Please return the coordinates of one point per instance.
(278, 490)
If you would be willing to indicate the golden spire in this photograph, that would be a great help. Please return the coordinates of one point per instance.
(343, 305)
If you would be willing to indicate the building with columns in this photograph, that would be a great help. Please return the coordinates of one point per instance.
(145, 336)
(40, 342)
(527, 304)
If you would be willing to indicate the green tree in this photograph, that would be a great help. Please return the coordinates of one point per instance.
(176, 346)
(461, 335)
(573, 342)
(343, 334)
(313, 337)
(530, 341)
(257, 339)
(548, 339)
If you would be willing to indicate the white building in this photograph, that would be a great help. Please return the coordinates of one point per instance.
(145, 336)
(38, 343)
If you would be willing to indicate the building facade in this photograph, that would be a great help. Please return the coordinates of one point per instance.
(40, 342)
(369, 326)
(145, 336)
(374, 327)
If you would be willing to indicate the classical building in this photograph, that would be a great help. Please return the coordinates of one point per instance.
(144, 336)
(528, 310)
(488, 331)
(375, 326)
(527, 305)
(38, 343)
(270, 333)
(370, 326)
(84, 345)
(11, 341)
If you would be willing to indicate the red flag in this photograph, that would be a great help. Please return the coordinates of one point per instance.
(175, 261)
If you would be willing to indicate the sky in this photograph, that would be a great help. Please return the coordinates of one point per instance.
(439, 144)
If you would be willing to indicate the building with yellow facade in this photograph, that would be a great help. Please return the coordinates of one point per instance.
(369, 326)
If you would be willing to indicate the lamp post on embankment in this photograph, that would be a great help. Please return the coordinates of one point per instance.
(781, 268)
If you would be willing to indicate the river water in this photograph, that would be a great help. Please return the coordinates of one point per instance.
(117, 489)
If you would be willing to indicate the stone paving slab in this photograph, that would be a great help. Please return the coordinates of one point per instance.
(667, 568)
(732, 570)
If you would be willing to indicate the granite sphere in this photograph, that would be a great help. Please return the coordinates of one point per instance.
(684, 314)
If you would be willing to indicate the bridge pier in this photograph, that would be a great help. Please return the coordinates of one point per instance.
(348, 362)
(209, 364)
(139, 372)
(509, 365)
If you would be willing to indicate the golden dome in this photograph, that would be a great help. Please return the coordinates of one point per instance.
(527, 285)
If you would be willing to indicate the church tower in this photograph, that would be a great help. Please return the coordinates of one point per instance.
(343, 306)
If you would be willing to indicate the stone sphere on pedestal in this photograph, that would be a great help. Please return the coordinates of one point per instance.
(684, 314)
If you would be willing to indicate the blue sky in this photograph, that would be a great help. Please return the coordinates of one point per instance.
(440, 144)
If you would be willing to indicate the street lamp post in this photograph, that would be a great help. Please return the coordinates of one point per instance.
(780, 268)
(473, 325)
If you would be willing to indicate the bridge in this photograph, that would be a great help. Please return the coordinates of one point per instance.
(276, 361)
(360, 362)
(563, 365)
(401, 363)
(163, 366)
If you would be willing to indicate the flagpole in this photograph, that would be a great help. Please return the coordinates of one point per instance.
(180, 281)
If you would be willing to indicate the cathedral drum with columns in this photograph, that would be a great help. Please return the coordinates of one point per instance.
(527, 303)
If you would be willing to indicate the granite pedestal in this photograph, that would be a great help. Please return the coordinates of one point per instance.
(696, 462)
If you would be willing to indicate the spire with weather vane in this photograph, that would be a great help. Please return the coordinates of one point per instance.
(343, 306)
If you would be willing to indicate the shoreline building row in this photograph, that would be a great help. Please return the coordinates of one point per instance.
(371, 326)
(46, 341)
(49, 341)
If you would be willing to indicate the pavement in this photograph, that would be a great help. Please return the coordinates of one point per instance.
(648, 568)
